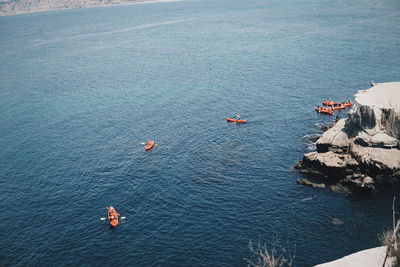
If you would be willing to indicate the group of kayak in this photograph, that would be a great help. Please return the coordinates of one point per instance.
(329, 106)
(113, 216)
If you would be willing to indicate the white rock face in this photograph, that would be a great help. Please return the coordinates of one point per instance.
(377, 110)
(335, 137)
(373, 257)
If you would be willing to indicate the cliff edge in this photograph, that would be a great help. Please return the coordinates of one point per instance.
(364, 147)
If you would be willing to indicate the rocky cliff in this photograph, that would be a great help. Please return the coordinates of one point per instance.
(366, 143)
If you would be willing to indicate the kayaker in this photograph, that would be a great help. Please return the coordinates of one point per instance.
(237, 117)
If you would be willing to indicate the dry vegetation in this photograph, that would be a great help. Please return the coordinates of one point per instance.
(277, 256)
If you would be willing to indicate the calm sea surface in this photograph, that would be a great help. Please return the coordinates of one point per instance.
(81, 90)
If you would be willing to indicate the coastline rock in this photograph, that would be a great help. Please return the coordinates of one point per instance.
(380, 139)
(366, 142)
(329, 164)
(326, 127)
(376, 160)
(334, 139)
(338, 188)
(359, 183)
(355, 183)
(307, 182)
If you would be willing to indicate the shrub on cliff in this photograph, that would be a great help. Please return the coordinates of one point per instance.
(277, 256)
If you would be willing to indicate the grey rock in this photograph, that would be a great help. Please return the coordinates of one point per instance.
(335, 138)
(377, 160)
(329, 163)
(368, 180)
(363, 184)
(338, 188)
(307, 182)
(380, 139)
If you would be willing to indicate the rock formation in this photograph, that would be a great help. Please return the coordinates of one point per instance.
(366, 143)
(307, 182)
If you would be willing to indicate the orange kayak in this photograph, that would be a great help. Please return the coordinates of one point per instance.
(235, 120)
(324, 110)
(343, 106)
(330, 103)
(113, 216)
(348, 104)
(339, 107)
(149, 145)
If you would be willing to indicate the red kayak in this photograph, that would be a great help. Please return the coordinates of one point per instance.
(339, 107)
(348, 104)
(343, 105)
(235, 120)
(330, 103)
(149, 145)
(112, 215)
(328, 111)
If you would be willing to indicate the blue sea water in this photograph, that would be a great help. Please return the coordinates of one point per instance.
(81, 90)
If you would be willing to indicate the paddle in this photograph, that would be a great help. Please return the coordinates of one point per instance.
(103, 219)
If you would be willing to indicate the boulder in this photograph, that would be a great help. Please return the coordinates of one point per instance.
(377, 160)
(379, 139)
(356, 183)
(334, 139)
(329, 164)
